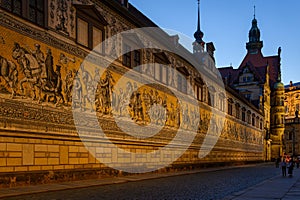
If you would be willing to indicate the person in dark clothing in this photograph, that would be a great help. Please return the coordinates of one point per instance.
(283, 166)
(290, 167)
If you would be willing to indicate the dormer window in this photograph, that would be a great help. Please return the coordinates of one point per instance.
(181, 83)
(246, 70)
(161, 67)
(132, 56)
(182, 77)
(131, 59)
(90, 28)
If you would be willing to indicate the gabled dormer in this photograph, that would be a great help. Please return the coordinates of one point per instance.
(246, 75)
(90, 31)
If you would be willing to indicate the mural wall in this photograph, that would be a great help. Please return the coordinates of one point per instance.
(44, 79)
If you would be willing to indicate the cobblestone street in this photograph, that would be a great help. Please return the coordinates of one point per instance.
(206, 185)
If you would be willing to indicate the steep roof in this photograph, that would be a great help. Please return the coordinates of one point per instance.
(257, 63)
(260, 62)
(229, 74)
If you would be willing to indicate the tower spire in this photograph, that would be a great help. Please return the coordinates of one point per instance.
(279, 65)
(199, 43)
(198, 27)
(255, 44)
(199, 34)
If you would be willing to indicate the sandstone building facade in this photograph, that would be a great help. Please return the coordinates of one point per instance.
(292, 122)
(51, 67)
(258, 79)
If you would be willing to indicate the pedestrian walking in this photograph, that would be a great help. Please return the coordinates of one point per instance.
(290, 167)
(283, 166)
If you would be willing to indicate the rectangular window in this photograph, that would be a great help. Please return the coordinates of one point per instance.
(36, 11)
(249, 118)
(248, 96)
(179, 82)
(14, 6)
(184, 85)
(136, 58)
(157, 71)
(164, 74)
(97, 39)
(237, 111)
(127, 56)
(196, 92)
(229, 108)
(82, 32)
(33, 10)
(200, 95)
(90, 28)
(211, 99)
(260, 125)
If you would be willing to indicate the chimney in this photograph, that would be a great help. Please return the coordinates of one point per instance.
(175, 40)
(124, 3)
(210, 48)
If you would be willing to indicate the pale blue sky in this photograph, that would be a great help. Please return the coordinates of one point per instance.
(226, 23)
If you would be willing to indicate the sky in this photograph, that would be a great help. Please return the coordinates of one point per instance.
(226, 23)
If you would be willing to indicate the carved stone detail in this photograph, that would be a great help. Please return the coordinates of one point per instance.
(62, 17)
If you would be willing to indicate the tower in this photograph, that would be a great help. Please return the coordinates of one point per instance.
(254, 45)
(277, 115)
(198, 45)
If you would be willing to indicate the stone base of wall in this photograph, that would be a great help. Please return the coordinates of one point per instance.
(14, 179)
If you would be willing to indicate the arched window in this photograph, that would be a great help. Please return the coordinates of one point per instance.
(237, 110)
(221, 101)
(244, 114)
(253, 119)
(249, 117)
(230, 102)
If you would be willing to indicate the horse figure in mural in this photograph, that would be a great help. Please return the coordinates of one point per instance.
(30, 67)
(8, 71)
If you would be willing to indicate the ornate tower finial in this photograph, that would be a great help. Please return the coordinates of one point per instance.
(199, 34)
(254, 45)
(279, 65)
(198, 27)
(199, 43)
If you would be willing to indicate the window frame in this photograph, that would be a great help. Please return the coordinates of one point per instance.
(90, 15)
(244, 114)
(237, 110)
(129, 59)
(25, 11)
(159, 69)
(182, 83)
(91, 23)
